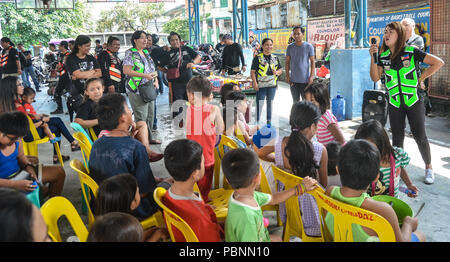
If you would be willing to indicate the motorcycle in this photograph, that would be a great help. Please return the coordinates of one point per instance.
(38, 67)
(210, 60)
(50, 62)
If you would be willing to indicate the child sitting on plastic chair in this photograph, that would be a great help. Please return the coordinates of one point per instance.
(121, 194)
(116, 227)
(245, 222)
(358, 167)
(184, 160)
(48, 124)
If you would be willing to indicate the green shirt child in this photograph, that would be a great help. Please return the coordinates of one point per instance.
(245, 223)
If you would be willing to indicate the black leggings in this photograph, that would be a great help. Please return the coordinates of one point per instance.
(416, 119)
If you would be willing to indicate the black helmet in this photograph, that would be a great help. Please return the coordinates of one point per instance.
(155, 39)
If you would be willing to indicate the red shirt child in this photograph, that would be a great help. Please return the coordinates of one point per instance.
(198, 215)
(201, 129)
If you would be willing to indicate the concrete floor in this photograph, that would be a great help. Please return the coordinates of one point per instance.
(433, 220)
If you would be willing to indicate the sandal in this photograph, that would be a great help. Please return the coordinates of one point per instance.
(155, 142)
(56, 139)
(64, 158)
(75, 147)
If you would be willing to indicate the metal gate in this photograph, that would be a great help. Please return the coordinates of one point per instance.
(440, 46)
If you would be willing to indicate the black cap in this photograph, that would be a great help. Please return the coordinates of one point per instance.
(227, 36)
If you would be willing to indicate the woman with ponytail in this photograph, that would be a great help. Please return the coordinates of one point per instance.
(302, 157)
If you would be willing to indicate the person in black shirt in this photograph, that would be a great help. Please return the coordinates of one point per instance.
(232, 56)
(81, 66)
(98, 48)
(9, 61)
(399, 62)
(111, 66)
(64, 82)
(265, 70)
(171, 59)
(28, 68)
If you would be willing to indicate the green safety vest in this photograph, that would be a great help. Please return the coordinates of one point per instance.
(402, 84)
(138, 66)
(265, 80)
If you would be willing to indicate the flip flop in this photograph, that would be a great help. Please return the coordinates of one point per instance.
(155, 142)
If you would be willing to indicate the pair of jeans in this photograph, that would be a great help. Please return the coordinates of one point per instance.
(29, 71)
(179, 93)
(268, 94)
(297, 90)
(57, 127)
(142, 111)
(416, 119)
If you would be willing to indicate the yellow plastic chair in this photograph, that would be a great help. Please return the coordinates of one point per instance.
(240, 135)
(57, 207)
(92, 133)
(172, 219)
(294, 223)
(347, 216)
(85, 146)
(219, 152)
(219, 199)
(265, 188)
(87, 183)
(31, 148)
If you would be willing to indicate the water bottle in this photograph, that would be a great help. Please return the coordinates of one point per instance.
(338, 107)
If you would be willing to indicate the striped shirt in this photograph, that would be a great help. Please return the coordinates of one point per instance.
(401, 161)
(324, 135)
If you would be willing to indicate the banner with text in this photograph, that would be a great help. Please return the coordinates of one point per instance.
(421, 16)
(280, 38)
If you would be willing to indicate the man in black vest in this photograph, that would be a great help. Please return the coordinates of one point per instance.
(111, 66)
(9, 60)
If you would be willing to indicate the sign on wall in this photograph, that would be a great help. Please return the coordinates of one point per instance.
(327, 30)
(280, 38)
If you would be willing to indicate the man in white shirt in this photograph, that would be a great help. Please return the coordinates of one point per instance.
(412, 38)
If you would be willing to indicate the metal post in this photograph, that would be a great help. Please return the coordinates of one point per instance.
(244, 25)
(234, 20)
(190, 21)
(197, 21)
(366, 43)
(360, 25)
(348, 22)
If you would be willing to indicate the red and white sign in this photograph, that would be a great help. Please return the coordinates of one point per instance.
(327, 30)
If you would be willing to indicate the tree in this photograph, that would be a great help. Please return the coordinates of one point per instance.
(130, 16)
(179, 25)
(33, 26)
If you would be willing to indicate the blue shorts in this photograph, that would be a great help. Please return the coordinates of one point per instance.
(414, 238)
